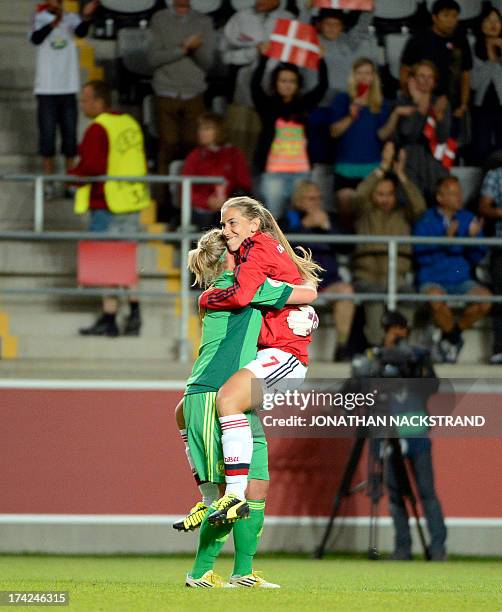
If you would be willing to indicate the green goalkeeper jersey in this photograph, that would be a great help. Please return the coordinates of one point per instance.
(229, 337)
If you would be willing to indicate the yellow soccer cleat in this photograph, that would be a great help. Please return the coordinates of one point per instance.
(209, 580)
(253, 581)
(229, 509)
(193, 519)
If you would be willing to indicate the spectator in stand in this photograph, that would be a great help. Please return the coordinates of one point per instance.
(448, 270)
(181, 54)
(282, 151)
(308, 216)
(447, 47)
(421, 165)
(380, 209)
(487, 86)
(57, 78)
(490, 207)
(113, 145)
(245, 30)
(215, 157)
(340, 50)
(360, 121)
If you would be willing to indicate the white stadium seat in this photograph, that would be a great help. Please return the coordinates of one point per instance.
(237, 5)
(132, 48)
(470, 178)
(394, 46)
(394, 9)
(128, 6)
(206, 6)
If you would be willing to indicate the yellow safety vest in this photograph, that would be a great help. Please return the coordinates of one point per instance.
(126, 157)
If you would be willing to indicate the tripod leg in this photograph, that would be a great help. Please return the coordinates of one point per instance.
(375, 492)
(343, 491)
(404, 484)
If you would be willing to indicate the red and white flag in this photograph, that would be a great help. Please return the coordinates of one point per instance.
(444, 152)
(351, 5)
(296, 43)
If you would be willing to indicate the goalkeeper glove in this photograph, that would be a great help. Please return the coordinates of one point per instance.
(303, 321)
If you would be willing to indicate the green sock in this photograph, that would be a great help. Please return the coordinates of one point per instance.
(211, 540)
(247, 533)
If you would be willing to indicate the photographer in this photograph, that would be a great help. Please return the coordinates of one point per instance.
(410, 362)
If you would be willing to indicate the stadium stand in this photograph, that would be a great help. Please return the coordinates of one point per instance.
(18, 128)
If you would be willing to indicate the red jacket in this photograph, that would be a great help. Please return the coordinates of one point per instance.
(260, 257)
(227, 161)
(93, 153)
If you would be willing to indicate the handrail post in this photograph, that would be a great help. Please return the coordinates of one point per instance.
(38, 213)
(184, 343)
(392, 273)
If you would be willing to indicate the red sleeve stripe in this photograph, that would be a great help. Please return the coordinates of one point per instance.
(229, 427)
(218, 295)
(239, 418)
(248, 245)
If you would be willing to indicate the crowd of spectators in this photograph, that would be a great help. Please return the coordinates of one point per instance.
(386, 145)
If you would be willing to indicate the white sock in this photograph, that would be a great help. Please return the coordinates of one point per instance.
(237, 443)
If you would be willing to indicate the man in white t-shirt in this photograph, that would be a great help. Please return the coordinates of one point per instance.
(57, 77)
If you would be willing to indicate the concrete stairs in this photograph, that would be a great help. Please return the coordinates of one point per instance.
(45, 326)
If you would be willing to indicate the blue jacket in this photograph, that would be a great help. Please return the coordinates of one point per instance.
(446, 265)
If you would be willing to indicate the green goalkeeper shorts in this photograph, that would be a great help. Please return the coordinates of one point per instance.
(204, 439)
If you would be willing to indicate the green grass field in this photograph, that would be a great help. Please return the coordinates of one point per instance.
(156, 583)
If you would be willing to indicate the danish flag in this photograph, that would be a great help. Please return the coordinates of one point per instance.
(294, 42)
(353, 5)
(444, 152)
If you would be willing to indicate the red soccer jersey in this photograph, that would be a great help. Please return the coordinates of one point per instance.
(260, 257)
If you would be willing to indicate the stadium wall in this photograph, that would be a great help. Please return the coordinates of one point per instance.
(98, 467)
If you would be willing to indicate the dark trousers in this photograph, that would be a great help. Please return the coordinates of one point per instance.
(486, 133)
(421, 466)
(55, 111)
(496, 272)
(177, 127)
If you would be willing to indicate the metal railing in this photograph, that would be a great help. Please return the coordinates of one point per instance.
(185, 237)
(186, 207)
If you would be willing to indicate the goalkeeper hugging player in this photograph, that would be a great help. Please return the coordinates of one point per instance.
(224, 439)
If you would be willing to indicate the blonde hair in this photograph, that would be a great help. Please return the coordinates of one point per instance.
(251, 209)
(375, 96)
(208, 260)
(431, 65)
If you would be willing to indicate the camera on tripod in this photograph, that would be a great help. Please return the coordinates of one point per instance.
(399, 361)
(392, 369)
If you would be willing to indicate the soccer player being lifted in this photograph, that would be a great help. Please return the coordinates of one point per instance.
(281, 362)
